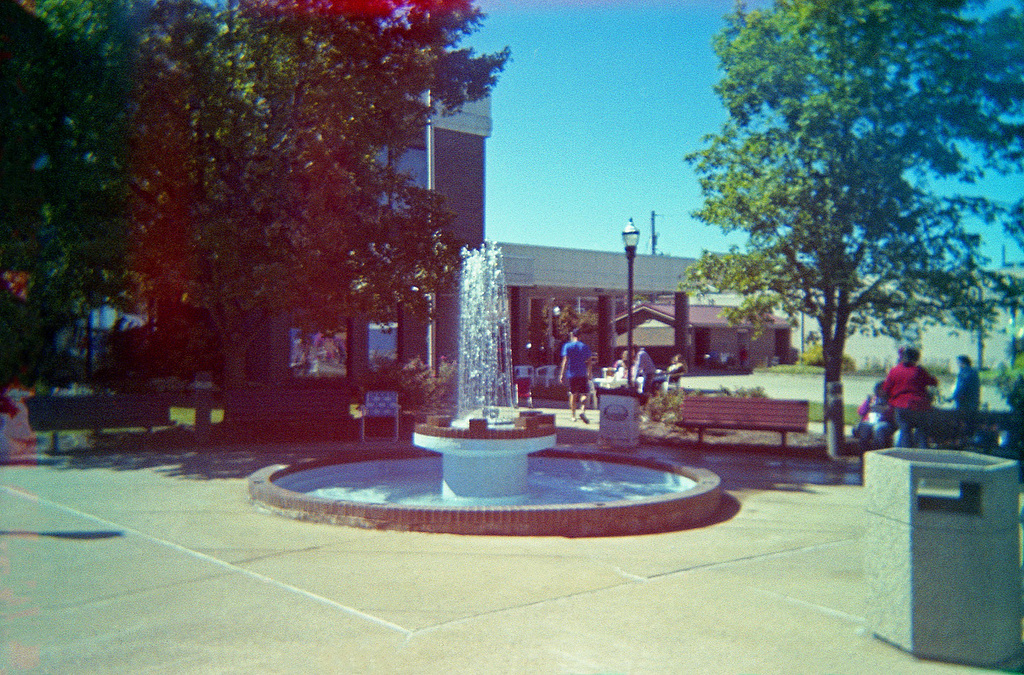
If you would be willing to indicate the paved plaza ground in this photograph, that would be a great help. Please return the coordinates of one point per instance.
(156, 562)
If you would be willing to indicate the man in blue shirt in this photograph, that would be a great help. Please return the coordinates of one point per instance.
(575, 372)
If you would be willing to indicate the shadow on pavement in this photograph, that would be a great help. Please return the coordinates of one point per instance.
(63, 534)
(206, 464)
(738, 470)
(742, 463)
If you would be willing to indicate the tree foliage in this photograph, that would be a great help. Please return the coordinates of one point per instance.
(267, 158)
(63, 111)
(841, 118)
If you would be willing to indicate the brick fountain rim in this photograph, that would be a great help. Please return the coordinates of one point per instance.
(661, 513)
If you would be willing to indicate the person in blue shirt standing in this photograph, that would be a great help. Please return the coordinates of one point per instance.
(966, 396)
(575, 372)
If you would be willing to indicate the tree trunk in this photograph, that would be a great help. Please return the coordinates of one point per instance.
(835, 424)
(834, 409)
(237, 337)
(236, 349)
(234, 366)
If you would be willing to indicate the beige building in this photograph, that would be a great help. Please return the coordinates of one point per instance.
(715, 343)
(541, 277)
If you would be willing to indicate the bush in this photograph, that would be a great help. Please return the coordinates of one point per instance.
(418, 387)
(796, 369)
(178, 346)
(1011, 386)
(815, 356)
(750, 392)
(664, 408)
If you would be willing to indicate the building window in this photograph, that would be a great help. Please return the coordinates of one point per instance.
(318, 353)
(383, 344)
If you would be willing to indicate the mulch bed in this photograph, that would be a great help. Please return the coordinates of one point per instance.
(740, 441)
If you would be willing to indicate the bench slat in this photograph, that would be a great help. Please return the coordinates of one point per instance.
(751, 414)
(72, 413)
(287, 404)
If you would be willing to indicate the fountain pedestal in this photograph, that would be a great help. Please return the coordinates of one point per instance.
(486, 463)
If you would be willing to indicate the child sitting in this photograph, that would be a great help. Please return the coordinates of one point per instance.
(877, 423)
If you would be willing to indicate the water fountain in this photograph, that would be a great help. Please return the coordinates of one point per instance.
(499, 471)
(484, 450)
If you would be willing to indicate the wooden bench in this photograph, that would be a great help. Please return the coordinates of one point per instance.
(748, 414)
(97, 413)
(284, 414)
(943, 426)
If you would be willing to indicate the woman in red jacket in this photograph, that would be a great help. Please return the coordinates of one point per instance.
(906, 387)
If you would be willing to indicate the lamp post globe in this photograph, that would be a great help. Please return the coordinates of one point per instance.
(630, 238)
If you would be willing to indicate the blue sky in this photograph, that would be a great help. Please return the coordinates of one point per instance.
(593, 118)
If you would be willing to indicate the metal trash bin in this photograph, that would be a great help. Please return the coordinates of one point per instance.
(942, 554)
(620, 417)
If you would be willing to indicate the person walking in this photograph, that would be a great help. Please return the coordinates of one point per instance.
(966, 396)
(906, 388)
(622, 366)
(575, 373)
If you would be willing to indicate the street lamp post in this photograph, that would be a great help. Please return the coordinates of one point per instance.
(630, 239)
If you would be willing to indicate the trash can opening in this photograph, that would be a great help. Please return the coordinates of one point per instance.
(951, 496)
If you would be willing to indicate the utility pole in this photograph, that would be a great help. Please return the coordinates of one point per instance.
(654, 236)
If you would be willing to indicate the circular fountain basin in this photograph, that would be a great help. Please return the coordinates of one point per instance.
(571, 493)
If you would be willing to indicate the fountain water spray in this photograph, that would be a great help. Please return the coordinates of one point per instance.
(485, 450)
(485, 353)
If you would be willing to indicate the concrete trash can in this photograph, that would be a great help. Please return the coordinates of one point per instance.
(620, 418)
(943, 554)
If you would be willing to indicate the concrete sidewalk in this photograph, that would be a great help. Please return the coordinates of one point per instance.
(119, 564)
(155, 561)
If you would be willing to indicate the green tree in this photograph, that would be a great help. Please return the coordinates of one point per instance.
(268, 144)
(63, 88)
(567, 319)
(841, 116)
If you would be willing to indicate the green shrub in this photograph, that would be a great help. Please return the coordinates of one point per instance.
(1011, 386)
(750, 392)
(418, 387)
(664, 407)
(815, 356)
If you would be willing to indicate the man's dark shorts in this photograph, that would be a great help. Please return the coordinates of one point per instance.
(579, 385)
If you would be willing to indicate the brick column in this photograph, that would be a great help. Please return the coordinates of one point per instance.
(682, 328)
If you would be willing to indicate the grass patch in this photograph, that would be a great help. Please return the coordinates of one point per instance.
(794, 369)
(188, 416)
(816, 413)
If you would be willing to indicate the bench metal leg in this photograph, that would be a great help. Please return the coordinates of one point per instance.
(362, 428)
